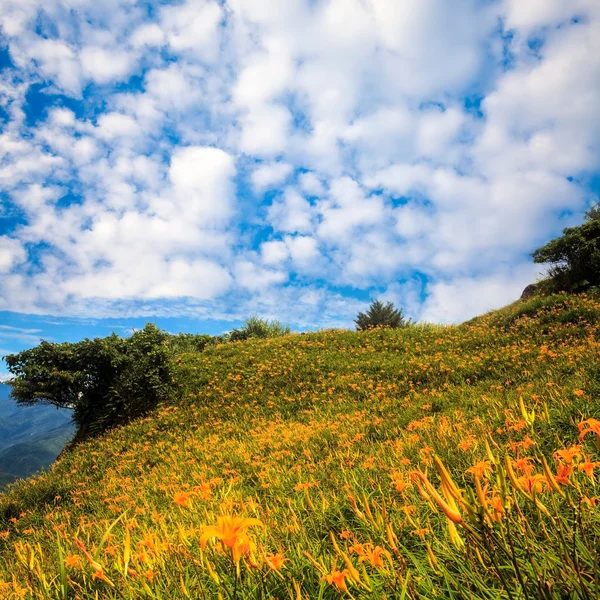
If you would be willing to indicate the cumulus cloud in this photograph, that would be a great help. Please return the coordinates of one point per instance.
(255, 154)
(112, 125)
(193, 27)
(458, 299)
(270, 175)
(12, 253)
(201, 179)
(292, 213)
(103, 65)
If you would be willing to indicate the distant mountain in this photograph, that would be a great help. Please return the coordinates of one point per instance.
(30, 437)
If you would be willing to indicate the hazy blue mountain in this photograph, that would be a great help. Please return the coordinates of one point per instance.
(30, 437)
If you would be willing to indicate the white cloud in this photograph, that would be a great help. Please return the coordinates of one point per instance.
(353, 113)
(437, 130)
(533, 14)
(378, 135)
(270, 175)
(192, 27)
(104, 65)
(113, 125)
(266, 74)
(413, 221)
(154, 278)
(57, 61)
(458, 299)
(12, 253)
(542, 115)
(292, 213)
(304, 251)
(310, 184)
(274, 252)
(62, 117)
(265, 130)
(348, 209)
(173, 88)
(201, 179)
(253, 277)
(149, 34)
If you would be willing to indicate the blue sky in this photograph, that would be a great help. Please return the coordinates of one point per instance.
(195, 162)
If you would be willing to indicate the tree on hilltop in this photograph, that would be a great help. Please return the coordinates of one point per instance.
(381, 315)
(575, 256)
(105, 381)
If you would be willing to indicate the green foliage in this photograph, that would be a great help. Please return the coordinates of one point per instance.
(105, 381)
(255, 327)
(574, 257)
(381, 315)
(191, 342)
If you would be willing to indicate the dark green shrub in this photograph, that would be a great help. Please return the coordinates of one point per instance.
(255, 327)
(381, 315)
(192, 342)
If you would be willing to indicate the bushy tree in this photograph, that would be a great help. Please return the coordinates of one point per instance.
(381, 315)
(575, 256)
(255, 327)
(105, 381)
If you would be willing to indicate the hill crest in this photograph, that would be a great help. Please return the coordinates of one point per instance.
(359, 453)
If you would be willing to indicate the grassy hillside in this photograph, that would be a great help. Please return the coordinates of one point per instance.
(448, 462)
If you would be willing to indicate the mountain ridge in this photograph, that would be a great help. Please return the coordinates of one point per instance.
(31, 437)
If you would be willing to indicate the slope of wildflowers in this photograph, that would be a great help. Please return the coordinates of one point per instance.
(429, 462)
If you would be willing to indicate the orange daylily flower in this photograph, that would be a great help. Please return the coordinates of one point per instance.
(232, 532)
(275, 562)
(150, 575)
(373, 555)
(524, 465)
(420, 532)
(568, 454)
(399, 483)
(337, 578)
(72, 560)
(357, 549)
(532, 483)
(588, 467)
(183, 499)
(98, 569)
(589, 426)
(498, 507)
(562, 474)
(448, 506)
(481, 469)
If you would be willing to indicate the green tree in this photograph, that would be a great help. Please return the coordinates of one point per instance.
(381, 315)
(574, 258)
(105, 381)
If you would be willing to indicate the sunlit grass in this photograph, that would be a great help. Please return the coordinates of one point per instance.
(450, 462)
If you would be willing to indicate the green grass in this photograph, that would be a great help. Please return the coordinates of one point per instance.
(338, 442)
